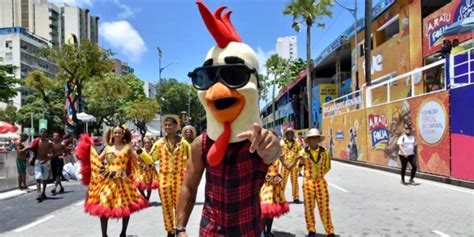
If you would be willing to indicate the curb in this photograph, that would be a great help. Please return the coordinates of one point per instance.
(421, 175)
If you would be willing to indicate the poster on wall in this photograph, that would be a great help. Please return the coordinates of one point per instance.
(434, 25)
(428, 117)
(346, 136)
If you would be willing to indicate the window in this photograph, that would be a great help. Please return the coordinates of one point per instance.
(362, 46)
(8, 56)
(8, 44)
(388, 30)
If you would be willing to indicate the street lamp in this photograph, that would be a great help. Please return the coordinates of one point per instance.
(161, 116)
(353, 11)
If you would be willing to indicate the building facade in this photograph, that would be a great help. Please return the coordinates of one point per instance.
(287, 48)
(49, 21)
(19, 48)
(121, 68)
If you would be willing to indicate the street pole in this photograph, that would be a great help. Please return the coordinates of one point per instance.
(160, 56)
(368, 42)
(356, 61)
(189, 105)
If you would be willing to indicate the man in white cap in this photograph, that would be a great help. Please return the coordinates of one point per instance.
(317, 163)
(290, 150)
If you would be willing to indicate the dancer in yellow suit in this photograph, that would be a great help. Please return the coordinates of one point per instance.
(317, 163)
(291, 149)
(172, 151)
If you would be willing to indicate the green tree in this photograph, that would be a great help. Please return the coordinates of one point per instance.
(176, 96)
(276, 66)
(106, 99)
(78, 66)
(48, 97)
(35, 105)
(308, 12)
(9, 114)
(140, 112)
(8, 83)
(295, 68)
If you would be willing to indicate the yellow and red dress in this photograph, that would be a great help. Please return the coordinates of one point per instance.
(145, 177)
(111, 193)
(272, 196)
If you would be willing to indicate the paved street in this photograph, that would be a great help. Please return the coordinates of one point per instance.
(364, 202)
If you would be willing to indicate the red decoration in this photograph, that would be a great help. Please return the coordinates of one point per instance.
(219, 25)
(7, 128)
(218, 149)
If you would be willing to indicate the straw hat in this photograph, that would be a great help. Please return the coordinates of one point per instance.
(172, 116)
(314, 132)
(289, 129)
(188, 127)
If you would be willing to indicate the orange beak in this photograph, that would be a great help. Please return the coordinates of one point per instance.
(225, 103)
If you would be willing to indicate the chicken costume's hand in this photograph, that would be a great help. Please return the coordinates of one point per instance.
(264, 142)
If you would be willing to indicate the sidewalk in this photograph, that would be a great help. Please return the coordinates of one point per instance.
(421, 175)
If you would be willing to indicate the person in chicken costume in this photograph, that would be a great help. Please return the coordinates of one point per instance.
(235, 151)
(291, 149)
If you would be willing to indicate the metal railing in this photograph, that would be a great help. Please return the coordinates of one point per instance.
(461, 70)
(421, 81)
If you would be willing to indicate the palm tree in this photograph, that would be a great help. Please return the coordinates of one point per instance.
(308, 12)
(275, 66)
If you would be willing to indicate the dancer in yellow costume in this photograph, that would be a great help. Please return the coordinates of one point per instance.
(317, 163)
(291, 149)
(145, 177)
(111, 193)
(172, 152)
(272, 195)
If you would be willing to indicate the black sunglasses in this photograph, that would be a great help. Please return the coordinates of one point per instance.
(233, 76)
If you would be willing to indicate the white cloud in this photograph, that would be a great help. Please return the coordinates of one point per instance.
(80, 3)
(126, 10)
(262, 58)
(124, 38)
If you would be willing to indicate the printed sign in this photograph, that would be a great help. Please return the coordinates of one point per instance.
(378, 127)
(432, 122)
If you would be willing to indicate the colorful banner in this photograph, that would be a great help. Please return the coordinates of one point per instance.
(462, 132)
(427, 115)
(322, 93)
(346, 135)
(344, 105)
(434, 24)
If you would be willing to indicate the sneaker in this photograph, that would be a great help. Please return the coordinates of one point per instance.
(53, 192)
(297, 201)
(39, 199)
(412, 182)
(404, 183)
(331, 235)
(61, 190)
(170, 234)
(312, 234)
(43, 196)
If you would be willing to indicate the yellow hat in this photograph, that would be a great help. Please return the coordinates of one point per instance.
(173, 117)
(314, 132)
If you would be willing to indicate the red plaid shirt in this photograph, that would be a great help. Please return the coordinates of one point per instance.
(232, 203)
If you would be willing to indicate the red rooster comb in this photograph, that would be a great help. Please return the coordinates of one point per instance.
(219, 25)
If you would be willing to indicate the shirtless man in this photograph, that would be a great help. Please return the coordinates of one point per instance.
(21, 159)
(44, 154)
(57, 162)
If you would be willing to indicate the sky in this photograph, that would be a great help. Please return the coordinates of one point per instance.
(133, 29)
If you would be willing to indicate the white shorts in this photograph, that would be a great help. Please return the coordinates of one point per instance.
(41, 171)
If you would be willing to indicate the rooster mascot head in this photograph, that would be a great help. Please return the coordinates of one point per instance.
(227, 83)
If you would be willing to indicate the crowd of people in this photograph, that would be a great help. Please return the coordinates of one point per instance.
(47, 157)
(123, 175)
